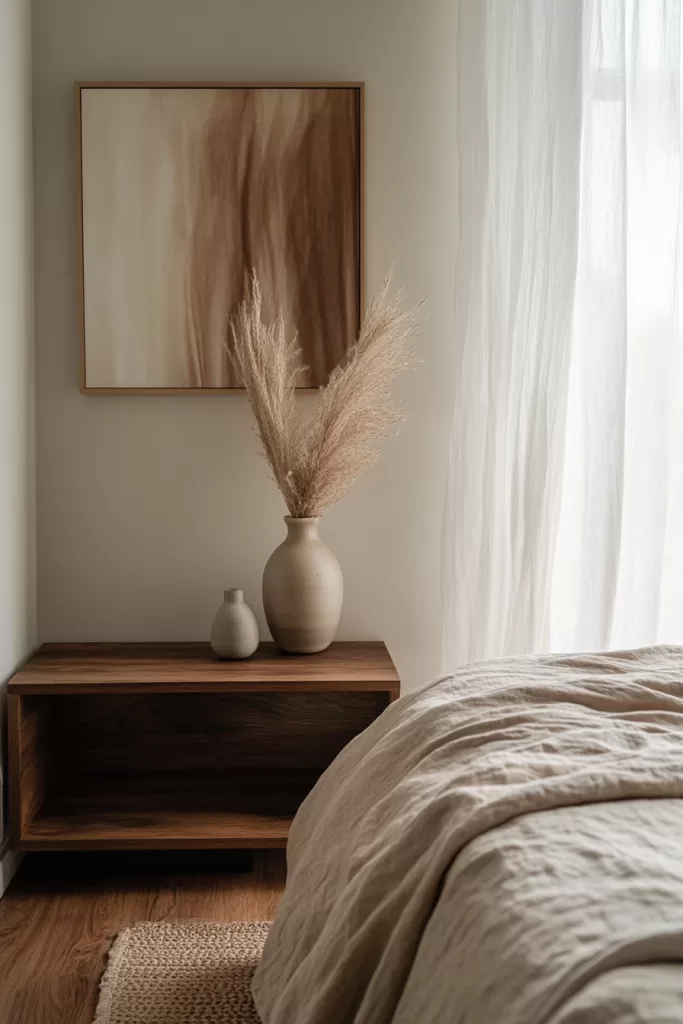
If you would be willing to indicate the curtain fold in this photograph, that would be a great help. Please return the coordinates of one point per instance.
(519, 131)
(563, 526)
(619, 557)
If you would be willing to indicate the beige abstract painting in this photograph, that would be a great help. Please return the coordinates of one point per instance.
(183, 191)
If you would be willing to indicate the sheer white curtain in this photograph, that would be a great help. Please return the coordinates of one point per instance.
(563, 527)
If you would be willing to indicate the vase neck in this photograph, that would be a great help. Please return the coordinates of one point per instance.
(233, 596)
(302, 529)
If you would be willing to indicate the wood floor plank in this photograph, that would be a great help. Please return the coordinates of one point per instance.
(56, 929)
(52, 1001)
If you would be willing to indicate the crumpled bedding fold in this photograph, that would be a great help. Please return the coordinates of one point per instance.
(506, 844)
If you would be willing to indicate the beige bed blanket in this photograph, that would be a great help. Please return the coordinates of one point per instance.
(424, 885)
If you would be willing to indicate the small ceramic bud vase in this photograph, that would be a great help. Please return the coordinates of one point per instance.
(234, 633)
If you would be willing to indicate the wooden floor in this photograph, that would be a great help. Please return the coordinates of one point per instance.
(57, 923)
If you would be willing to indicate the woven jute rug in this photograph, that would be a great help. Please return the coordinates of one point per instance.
(188, 972)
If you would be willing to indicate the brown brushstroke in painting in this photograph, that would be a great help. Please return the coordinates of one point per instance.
(323, 232)
(280, 194)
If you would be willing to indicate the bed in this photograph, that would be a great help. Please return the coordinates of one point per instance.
(505, 845)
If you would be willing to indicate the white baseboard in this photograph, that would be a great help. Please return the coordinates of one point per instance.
(9, 862)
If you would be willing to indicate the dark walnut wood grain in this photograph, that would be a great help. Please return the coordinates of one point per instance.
(156, 746)
(30, 749)
(129, 668)
(170, 811)
(206, 732)
(62, 911)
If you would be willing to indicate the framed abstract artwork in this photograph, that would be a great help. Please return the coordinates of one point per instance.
(184, 189)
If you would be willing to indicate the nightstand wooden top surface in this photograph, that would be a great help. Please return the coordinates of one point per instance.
(177, 667)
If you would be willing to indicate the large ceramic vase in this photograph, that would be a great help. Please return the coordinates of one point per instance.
(302, 590)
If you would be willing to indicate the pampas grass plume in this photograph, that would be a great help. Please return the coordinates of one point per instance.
(316, 460)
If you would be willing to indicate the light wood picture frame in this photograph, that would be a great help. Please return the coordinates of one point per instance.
(182, 189)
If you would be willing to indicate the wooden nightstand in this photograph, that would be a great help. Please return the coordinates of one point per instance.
(160, 746)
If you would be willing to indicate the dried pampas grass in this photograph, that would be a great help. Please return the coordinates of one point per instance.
(317, 460)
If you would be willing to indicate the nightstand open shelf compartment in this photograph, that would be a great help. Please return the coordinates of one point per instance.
(158, 746)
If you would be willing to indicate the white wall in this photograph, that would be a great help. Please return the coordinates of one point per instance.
(149, 507)
(17, 491)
